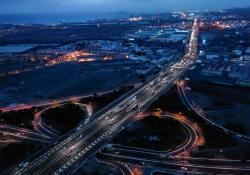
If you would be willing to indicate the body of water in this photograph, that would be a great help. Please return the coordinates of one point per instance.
(55, 19)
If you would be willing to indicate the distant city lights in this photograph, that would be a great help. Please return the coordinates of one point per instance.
(134, 19)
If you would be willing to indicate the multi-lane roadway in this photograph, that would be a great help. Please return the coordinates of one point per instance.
(12, 133)
(73, 149)
(177, 164)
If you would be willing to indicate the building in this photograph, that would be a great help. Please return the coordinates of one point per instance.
(242, 72)
(237, 52)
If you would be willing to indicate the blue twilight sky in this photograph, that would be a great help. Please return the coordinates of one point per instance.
(106, 6)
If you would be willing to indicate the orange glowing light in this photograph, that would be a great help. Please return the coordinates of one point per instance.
(137, 171)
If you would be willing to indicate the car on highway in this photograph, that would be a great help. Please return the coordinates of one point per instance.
(239, 135)
(184, 168)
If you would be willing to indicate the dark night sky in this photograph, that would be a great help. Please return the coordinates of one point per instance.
(106, 6)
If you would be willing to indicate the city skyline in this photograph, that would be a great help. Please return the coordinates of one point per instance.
(109, 6)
